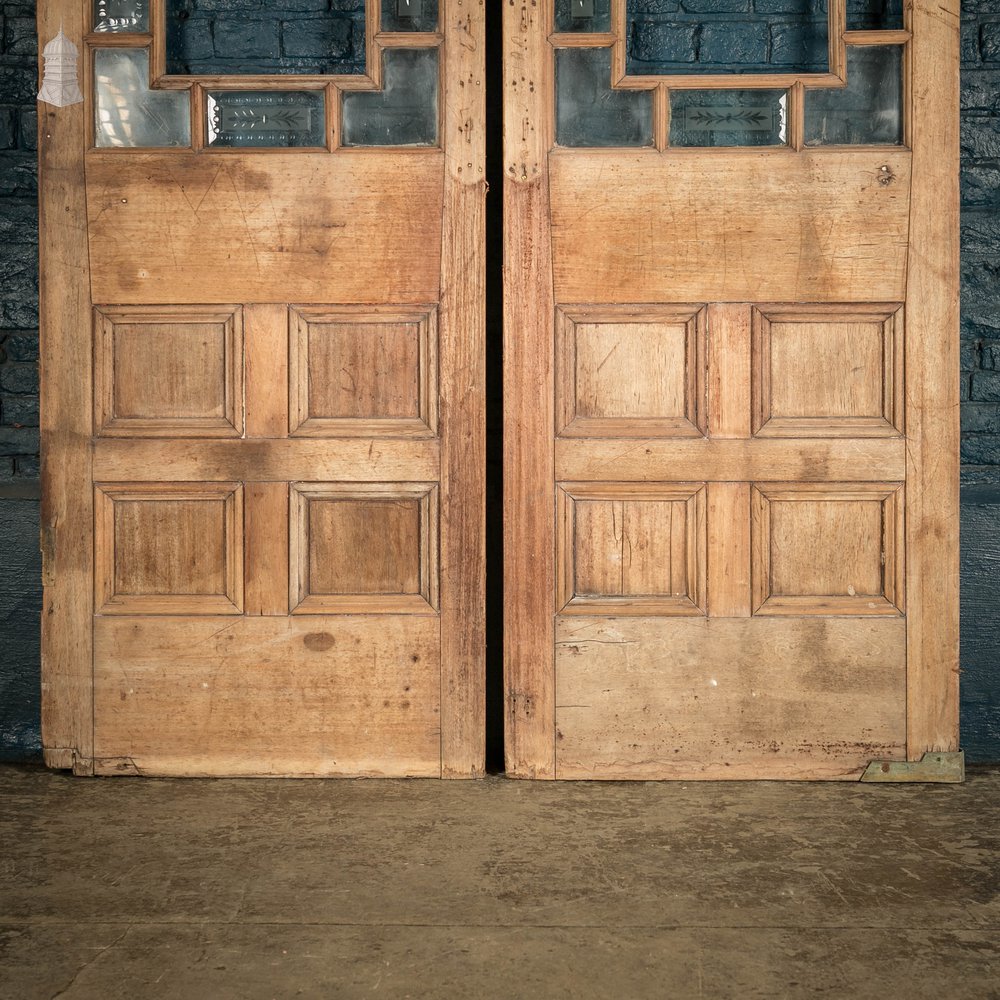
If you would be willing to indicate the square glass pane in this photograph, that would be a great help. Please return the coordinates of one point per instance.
(874, 15)
(409, 15)
(404, 112)
(275, 118)
(597, 15)
(728, 118)
(726, 36)
(255, 38)
(128, 16)
(869, 110)
(589, 112)
(127, 112)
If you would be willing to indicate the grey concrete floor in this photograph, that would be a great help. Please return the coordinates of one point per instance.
(211, 890)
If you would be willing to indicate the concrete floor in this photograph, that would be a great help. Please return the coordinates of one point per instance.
(145, 889)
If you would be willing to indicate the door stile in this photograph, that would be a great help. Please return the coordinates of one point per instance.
(463, 394)
(932, 315)
(66, 423)
(529, 417)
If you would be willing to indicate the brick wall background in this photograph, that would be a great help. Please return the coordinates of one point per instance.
(20, 592)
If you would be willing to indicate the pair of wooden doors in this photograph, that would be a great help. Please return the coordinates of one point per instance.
(730, 410)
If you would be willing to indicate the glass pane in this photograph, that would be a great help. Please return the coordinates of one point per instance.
(121, 15)
(409, 15)
(568, 15)
(728, 118)
(272, 118)
(589, 112)
(874, 15)
(723, 36)
(869, 109)
(226, 36)
(127, 112)
(404, 112)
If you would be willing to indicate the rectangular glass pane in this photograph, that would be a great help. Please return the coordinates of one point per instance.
(128, 16)
(409, 15)
(568, 15)
(404, 112)
(869, 110)
(127, 112)
(589, 112)
(874, 15)
(728, 118)
(304, 38)
(726, 36)
(275, 118)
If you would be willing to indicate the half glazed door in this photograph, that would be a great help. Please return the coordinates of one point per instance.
(262, 318)
(732, 461)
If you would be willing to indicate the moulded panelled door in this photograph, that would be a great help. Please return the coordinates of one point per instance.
(262, 312)
(731, 424)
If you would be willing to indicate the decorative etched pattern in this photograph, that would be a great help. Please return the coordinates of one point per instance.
(123, 16)
(728, 118)
(265, 118)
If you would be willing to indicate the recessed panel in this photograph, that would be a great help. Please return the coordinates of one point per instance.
(827, 372)
(169, 372)
(169, 549)
(368, 547)
(830, 549)
(362, 373)
(632, 549)
(630, 373)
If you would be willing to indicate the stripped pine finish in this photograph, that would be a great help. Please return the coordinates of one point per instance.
(264, 436)
(749, 473)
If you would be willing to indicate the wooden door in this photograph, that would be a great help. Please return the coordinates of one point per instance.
(732, 413)
(262, 317)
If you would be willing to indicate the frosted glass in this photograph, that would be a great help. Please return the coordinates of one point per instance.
(127, 112)
(275, 118)
(728, 118)
(869, 111)
(565, 21)
(130, 16)
(589, 112)
(404, 112)
(423, 18)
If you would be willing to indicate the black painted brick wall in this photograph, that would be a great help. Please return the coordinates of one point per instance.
(19, 563)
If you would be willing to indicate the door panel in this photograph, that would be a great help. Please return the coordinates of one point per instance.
(280, 438)
(726, 285)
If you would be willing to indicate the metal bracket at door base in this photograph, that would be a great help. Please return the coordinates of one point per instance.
(933, 767)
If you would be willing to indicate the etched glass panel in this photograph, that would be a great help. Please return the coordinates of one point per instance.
(221, 37)
(869, 110)
(127, 112)
(726, 36)
(583, 15)
(874, 15)
(409, 15)
(275, 118)
(404, 112)
(589, 112)
(124, 16)
(728, 118)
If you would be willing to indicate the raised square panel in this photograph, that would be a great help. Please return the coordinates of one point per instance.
(168, 371)
(631, 549)
(362, 372)
(831, 549)
(364, 548)
(169, 549)
(828, 371)
(630, 371)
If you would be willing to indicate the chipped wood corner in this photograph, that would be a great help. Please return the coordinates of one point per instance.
(68, 759)
(115, 766)
(932, 768)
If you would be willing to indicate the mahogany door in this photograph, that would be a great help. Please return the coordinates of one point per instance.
(262, 312)
(732, 415)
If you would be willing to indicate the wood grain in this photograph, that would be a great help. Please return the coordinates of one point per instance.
(266, 370)
(932, 386)
(265, 559)
(270, 696)
(728, 698)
